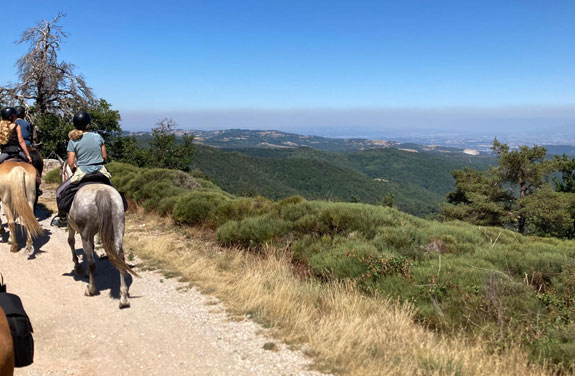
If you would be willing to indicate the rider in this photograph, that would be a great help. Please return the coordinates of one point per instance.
(90, 152)
(11, 142)
(26, 130)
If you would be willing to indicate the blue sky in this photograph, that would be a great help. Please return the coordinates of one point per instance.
(188, 57)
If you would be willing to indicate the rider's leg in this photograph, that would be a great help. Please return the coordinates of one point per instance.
(38, 164)
(60, 219)
(3, 157)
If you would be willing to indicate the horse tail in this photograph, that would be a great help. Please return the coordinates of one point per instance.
(19, 205)
(106, 230)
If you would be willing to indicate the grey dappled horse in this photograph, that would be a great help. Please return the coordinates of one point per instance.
(98, 209)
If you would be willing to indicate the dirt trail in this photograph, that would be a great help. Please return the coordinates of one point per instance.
(167, 331)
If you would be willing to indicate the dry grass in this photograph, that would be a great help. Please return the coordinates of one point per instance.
(343, 330)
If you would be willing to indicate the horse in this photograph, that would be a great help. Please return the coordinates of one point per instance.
(18, 193)
(6, 347)
(99, 209)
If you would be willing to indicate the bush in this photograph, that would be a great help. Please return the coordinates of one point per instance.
(53, 176)
(343, 260)
(252, 232)
(198, 208)
(156, 189)
(242, 208)
(408, 240)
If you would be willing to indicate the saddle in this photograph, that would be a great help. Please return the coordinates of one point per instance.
(20, 327)
(67, 196)
(16, 158)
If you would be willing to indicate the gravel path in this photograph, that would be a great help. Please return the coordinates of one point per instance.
(169, 329)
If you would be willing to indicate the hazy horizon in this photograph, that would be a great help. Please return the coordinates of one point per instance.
(373, 123)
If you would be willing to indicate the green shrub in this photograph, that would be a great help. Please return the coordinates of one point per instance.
(343, 260)
(166, 205)
(198, 207)
(252, 232)
(408, 240)
(53, 176)
(241, 208)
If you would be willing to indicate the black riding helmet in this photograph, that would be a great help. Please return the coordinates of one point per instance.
(81, 120)
(7, 113)
(20, 111)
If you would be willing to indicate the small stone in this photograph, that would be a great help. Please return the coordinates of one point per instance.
(271, 346)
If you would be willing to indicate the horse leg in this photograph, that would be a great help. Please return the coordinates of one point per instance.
(88, 245)
(2, 231)
(72, 244)
(124, 300)
(31, 195)
(29, 245)
(12, 240)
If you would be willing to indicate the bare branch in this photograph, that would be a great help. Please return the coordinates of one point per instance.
(50, 84)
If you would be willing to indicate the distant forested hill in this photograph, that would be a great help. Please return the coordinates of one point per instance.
(561, 149)
(418, 180)
(246, 138)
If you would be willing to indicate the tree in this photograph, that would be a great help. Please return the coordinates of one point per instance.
(165, 152)
(524, 167)
(549, 213)
(127, 150)
(516, 191)
(54, 129)
(566, 167)
(53, 92)
(51, 85)
(478, 198)
(388, 200)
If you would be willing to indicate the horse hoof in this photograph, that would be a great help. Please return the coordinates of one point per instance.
(124, 304)
(90, 291)
(30, 252)
(14, 248)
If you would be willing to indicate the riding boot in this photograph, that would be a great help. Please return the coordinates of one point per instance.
(60, 220)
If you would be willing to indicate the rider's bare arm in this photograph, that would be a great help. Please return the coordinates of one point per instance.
(23, 144)
(104, 153)
(71, 157)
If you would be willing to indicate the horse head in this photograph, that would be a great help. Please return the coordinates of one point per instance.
(65, 170)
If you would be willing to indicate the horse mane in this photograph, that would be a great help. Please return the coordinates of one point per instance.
(5, 131)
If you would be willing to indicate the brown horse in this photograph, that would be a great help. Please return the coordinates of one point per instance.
(6, 347)
(18, 193)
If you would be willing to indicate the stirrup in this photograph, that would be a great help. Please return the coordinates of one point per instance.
(59, 222)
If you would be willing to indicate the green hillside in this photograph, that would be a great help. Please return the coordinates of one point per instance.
(311, 176)
(429, 170)
(486, 282)
(418, 181)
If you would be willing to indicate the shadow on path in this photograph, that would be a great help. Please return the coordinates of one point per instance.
(42, 212)
(107, 276)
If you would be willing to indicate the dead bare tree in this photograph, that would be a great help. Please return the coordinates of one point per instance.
(50, 85)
